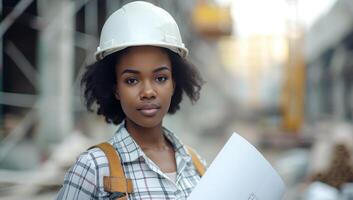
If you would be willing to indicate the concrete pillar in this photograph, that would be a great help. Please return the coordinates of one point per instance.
(112, 6)
(336, 66)
(56, 66)
(314, 91)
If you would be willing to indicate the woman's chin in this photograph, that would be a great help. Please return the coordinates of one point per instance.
(147, 122)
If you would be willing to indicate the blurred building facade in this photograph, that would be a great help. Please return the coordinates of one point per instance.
(329, 64)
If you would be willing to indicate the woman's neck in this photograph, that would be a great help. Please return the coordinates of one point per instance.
(147, 138)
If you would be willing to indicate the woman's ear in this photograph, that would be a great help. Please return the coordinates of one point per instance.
(174, 86)
(116, 93)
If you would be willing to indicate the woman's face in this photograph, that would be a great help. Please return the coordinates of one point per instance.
(144, 85)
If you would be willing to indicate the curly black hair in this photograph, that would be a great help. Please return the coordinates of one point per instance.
(99, 81)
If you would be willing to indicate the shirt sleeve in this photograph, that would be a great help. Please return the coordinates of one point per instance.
(80, 180)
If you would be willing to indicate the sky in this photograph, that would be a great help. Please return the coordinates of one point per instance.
(269, 17)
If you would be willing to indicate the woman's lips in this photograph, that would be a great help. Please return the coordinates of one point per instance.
(148, 110)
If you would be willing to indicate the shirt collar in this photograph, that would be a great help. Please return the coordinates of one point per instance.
(130, 151)
(179, 147)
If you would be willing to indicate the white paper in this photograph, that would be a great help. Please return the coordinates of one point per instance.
(239, 172)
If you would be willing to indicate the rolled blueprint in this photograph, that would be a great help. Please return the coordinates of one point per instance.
(239, 172)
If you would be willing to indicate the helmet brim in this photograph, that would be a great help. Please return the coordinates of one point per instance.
(101, 53)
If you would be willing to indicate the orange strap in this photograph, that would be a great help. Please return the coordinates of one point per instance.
(117, 181)
(197, 163)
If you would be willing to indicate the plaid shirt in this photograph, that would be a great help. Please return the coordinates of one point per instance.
(84, 180)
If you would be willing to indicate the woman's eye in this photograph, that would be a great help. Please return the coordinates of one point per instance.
(161, 79)
(131, 81)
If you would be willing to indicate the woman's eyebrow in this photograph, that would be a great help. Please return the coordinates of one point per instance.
(132, 71)
(161, 69)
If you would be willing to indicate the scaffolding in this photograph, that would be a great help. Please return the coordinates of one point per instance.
(66, 35)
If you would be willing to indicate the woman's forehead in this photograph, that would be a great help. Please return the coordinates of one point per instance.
(144, 58)
(145, 51)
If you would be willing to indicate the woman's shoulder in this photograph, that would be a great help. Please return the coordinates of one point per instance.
(96, 156)
(92, 159)
(84, 179)
(95, 161)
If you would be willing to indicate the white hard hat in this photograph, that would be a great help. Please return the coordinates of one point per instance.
(140, 23)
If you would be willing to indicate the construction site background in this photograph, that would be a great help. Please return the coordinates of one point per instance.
(278, 72)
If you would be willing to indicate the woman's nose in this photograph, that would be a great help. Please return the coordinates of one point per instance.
(148, 92)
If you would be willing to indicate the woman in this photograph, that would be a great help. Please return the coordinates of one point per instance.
(140, 75)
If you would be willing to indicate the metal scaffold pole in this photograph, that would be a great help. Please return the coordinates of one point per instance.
(56, 64)
(1, 72)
